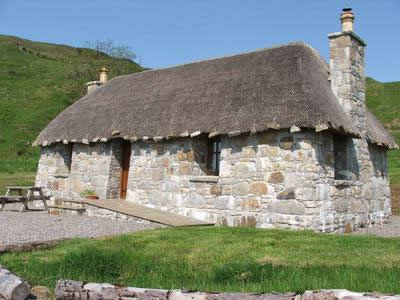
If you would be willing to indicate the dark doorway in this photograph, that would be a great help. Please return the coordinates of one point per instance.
(126, 157)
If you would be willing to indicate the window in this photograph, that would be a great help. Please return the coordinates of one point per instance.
(213, 156)
(346, 166)
(68, 160)
(63, 159)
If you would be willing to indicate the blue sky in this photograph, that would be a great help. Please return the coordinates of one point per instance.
(165, 33)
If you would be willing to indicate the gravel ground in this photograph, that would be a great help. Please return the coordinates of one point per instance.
(389, 229)
(37, 226)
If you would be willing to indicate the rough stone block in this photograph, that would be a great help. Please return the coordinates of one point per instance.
(157, 174)
(288, 207)
(250, 204)
(194, 200)
(191, 155)
(248, 153)
(276, 177)
(181, 156)
(179, 295)
(185, 168)
(222, 202)
(248, 221)
(244, 169)
(241, 188)
(287, 194)
(258, 188)
(269, 151)
(216, 190)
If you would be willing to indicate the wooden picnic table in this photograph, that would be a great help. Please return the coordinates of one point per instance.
(25, 194)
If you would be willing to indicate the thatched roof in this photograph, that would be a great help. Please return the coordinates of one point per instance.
(275, 88)
(378, 134)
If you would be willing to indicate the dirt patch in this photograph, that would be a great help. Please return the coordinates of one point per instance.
(394, 124)
(395, 195)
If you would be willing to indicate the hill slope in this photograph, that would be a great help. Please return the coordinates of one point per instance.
(383, 99)
(38, 81)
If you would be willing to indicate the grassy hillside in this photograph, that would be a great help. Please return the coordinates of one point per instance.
(38, 81)
(383, 99)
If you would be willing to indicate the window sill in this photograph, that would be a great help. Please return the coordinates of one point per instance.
(346, 182)
(211, 179)
(65, 175)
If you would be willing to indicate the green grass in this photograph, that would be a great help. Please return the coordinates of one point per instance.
(383, 99)
(16, 179)
(37, 82)
(220, 259)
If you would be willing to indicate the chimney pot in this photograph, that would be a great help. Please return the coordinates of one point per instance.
(104, 75)
(347, 18)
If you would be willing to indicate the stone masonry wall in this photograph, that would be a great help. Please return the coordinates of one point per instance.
(94, 166)
(360, 202)
(365, 200)
(276, 179)
(347, 74)
(69, 289)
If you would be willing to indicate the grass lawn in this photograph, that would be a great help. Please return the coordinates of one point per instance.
(18, 178)
(220, 259)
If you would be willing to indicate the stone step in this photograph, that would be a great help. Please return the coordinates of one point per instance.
(66, 210)
(70, 203)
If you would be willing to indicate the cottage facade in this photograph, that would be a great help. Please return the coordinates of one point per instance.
(272, 138)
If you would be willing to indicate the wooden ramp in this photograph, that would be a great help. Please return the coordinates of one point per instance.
(146, 213)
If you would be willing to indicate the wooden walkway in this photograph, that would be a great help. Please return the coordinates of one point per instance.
(146, 213)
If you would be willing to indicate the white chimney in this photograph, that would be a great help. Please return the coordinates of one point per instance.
(104, 75)
(92, 85)
(347, 19)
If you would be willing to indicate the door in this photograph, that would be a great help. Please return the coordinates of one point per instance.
(126, 157)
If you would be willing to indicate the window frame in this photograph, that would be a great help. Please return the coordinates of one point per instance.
(343, 170)
(213, 156)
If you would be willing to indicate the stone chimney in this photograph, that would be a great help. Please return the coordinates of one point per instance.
(347, 74)
(92, 85)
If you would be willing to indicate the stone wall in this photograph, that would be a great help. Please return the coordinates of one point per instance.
(275, 179)
(361, 202)
(366, 199)
(347, 74)
(94, 166)
(271, 180)
(69, 289)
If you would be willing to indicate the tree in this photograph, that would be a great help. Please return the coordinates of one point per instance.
(122, 55)
(119, 59)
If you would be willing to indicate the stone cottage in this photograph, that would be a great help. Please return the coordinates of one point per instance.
(274, 138)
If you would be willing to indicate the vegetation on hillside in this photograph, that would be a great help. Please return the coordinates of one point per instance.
(37, 82)
(383, 99)
(220, 259)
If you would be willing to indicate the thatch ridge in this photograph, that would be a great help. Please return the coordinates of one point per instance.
(278, 87)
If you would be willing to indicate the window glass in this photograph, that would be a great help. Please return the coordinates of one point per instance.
(214, 155)
(346, 167)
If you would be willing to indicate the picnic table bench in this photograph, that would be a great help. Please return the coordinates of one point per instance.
(25, 194)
